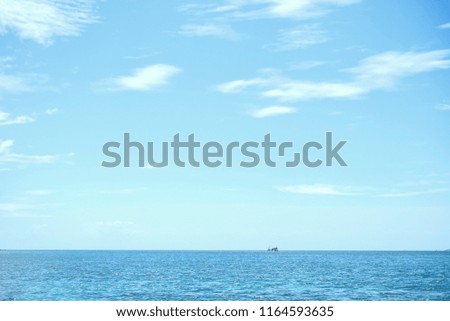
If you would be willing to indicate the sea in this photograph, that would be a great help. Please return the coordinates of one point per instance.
(224, 275)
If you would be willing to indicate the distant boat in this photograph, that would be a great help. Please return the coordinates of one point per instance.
(273, 249)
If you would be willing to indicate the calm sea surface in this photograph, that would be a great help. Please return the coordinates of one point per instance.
(223, 275)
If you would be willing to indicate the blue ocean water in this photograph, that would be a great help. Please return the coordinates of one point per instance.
(224, 275)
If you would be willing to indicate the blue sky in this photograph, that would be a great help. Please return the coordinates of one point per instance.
(76, 74)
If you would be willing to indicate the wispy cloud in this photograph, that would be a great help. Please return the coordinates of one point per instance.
(444, 26)
(42, 20)
(266, 9)
(210, 29)
(7, 119)
(25, 208)
(5, 145)
(294, 9)
(343, 190)
(16, 209)
(299, 37)
(237, 86)
(114, 223)
(26, 159)
(5, 61)
(143, 79)
(130, 190)
(6, 156)
(13, 83)
(415, 193)
(272, 111)
(18, 82)
(226, 12)
(51, 111)
(307, 90)
(318, 189)
(381, 71)
(138, 57)
(39, 192)
(443, 106)
(308, 64)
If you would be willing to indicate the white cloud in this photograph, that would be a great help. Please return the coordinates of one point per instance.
(263, 9)
(229, 11)
(20, 208)
(376, 72)
(5, 60)
(415, 193)
(301, 90)
(114, 223)
(6, 156)
(51, 111)
(123, 191)
(12, 83)
(443, 106)
(224, 8)
(26, 159)
(341, 190)
(39, 192)
(303, 8)
(42, 20)
(318, 189)
(385, 69)
(18, 82)
(445, 26)
(16, 209)
(299, 37)
(237, 86)
(5, 145)
(272, 111)
(202, 30)
(6, 119)
(308, 64)
(144, 79)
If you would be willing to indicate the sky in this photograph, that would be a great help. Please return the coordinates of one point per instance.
(77, 74)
